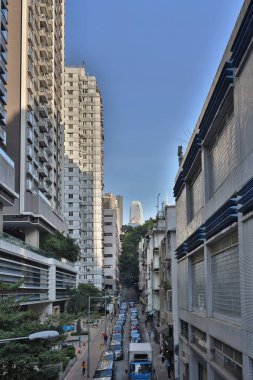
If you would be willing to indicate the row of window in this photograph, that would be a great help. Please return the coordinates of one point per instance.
(224, 278)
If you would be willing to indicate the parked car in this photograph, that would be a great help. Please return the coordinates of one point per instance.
(117, 348)
(117, 328)
(104, 370)
(107, 355)
(117, 336)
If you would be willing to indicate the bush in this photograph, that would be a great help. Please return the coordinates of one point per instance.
(69, 352)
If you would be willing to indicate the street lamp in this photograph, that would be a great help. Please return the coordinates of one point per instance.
(88, 350)
(38, 335)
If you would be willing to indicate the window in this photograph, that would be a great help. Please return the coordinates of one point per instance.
(228, 358)
(199, 338)
(184, 328)
(70, 204)
(222, 153)
(196, 195)
(183, 285)
(108, 245)
(226, 278)
(198, 284)
(71, 196)
(71, 213)
(70, 170)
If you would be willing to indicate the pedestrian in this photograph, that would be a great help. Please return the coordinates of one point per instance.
(105, 339)
(162, 357)
(149, 334)
(84, 366)
(167, 365)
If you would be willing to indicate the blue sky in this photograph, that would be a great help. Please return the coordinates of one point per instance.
(154, 61)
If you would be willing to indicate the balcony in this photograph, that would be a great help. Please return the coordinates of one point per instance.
(30, 119)
(43, 65)
(49, 164)
(36, 175)
(43, 156)
(43, 23)
(2, 66)
(29, 135)
(49, 178)
(2, 114)
(43, 95)
(50, 108)
(2, 135)
(43, 172)
(29, 168)
(43, 111)
(43, 36)
(50, 135)
(29, 151)
(43, 126)
(3, 91)
(43, 142)
(43, 81)
(42, 185)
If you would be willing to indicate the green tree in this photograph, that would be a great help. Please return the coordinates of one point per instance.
(61, 246)
(128, 262)
(24, 359)
(79, 298)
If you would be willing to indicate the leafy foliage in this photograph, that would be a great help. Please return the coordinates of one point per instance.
(24, 359)
(128, 263)
(79, 298)
(61, 246)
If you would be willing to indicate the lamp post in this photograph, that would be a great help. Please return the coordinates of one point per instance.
(39, 335)
(88, 349)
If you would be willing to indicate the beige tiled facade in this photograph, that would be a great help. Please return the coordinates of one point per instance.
(83, 170)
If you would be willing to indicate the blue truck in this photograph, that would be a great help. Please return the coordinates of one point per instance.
(140, 361)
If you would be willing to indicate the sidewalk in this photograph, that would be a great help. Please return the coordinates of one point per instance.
(96, 348)
(161, 372)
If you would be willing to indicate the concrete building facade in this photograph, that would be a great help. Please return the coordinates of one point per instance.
(111, 243)
(34, 116)
(83, 171)
(214, 205)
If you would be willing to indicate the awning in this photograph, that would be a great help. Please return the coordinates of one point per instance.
(162, 328)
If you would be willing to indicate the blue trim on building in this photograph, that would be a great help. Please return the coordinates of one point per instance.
(243, 37)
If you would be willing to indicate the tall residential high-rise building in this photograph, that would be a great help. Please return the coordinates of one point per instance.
(83, 170)
(34, 115)
(7, 168)
(3, 72)
(136, 214)
(111, 242)
(119, 199)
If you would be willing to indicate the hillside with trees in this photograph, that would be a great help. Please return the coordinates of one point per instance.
(128, 262)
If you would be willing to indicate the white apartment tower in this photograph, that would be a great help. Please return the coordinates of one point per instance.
(113, 212)
(83, 171)
(34, 116)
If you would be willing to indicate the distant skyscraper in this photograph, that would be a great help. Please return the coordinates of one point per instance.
(136, 214)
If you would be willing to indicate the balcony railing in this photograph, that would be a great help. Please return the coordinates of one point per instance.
(20, 243)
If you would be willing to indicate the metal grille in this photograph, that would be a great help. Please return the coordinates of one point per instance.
(196, 192)
(222, 155)
(198, 287)
(182, 285)
(226, 282)
(184, 328)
